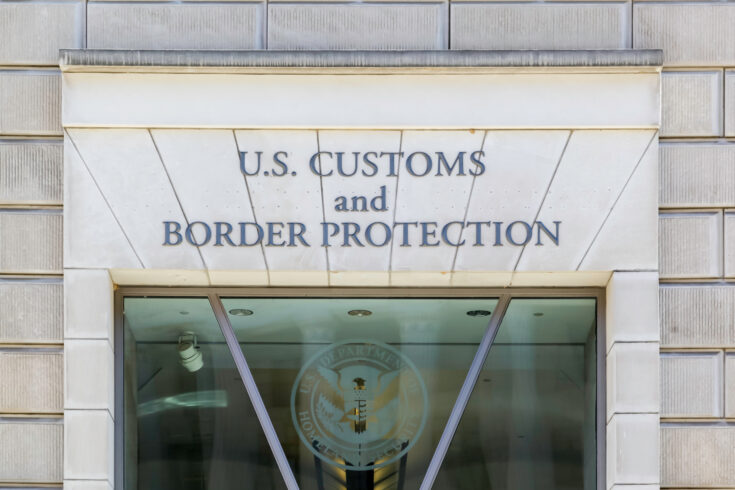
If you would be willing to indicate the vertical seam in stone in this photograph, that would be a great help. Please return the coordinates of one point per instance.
(324, 211)
(467, 208)
(546, 193)
(395, 209)
(617, 198)
(176, 195)
(104, 198)
(252, 208)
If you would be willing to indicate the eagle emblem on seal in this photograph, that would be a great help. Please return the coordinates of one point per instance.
(359, 404)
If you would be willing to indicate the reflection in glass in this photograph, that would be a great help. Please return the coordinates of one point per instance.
(530, 422)
(188, 421)
(359, 390)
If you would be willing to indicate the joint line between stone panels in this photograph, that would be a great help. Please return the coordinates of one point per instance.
(104, 198)
(465, 392)
(176, 195)
(395, 205)
(467, 207)
(324, 208)
(546, 193)
(252, 390)
(617, 198)
(252, 208)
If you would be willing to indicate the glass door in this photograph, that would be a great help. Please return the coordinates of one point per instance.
(359, 393)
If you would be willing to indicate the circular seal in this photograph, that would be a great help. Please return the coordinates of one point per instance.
(359, 404)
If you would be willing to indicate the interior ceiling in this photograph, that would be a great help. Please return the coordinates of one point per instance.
(326, 320)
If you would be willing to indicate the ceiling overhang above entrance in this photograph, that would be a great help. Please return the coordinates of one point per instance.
(361, 168)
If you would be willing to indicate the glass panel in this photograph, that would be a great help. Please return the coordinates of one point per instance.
(188, 421)
(359, 390)
(530, 421)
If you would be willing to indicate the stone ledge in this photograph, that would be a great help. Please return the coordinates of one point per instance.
(260, 61)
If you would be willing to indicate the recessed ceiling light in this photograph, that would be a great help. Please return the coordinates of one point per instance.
(359, 312)
(241, 312)
(538, 313)
(479, 313)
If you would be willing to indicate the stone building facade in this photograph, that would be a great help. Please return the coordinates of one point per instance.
(42, 342)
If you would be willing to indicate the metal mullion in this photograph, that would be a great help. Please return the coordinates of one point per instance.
(247, 378)
(466, 391)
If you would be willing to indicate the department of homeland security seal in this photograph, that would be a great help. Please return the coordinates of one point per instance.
(359, 404)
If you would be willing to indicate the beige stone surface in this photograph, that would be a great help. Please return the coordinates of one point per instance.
(175, 26)
(31, 382)
(697, 174)
(729, 102)
(88, 445)
(540, 25)
(30, 242)
(691, 384)
(89, 376)
(32, 311)
(690, 245)
(730, 384)
(31, 451)
(633, 378)
(31, 172)
(87, 485)
(357, 26)
(691, 103)
(697, 316)
(30, 102)
(631, 308)
(32, 33)
(82, 288)
(730, 244)
(633, 449)
(690, 34)
(697, 456)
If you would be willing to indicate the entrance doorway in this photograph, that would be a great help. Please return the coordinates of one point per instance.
(225, 390)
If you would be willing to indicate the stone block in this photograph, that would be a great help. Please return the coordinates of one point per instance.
(632, 308)
(691, 103)
(697, 175)
(87, 485)
(31, 382)
(633, 449)
(697, 456)
(31, 451)
(730, 244)
(690, 245)
(31, 33)
(357, 26)
(691, 384)
(633, 378)
(697, 316)
(730, 385)
(32, 311)
(88, 305)
(88, 445)
(175, 26)
(30, 242)
(89, 376)
(540, 25)
(690, 34)
(730, 103)
(31, 172)
(30, 102)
